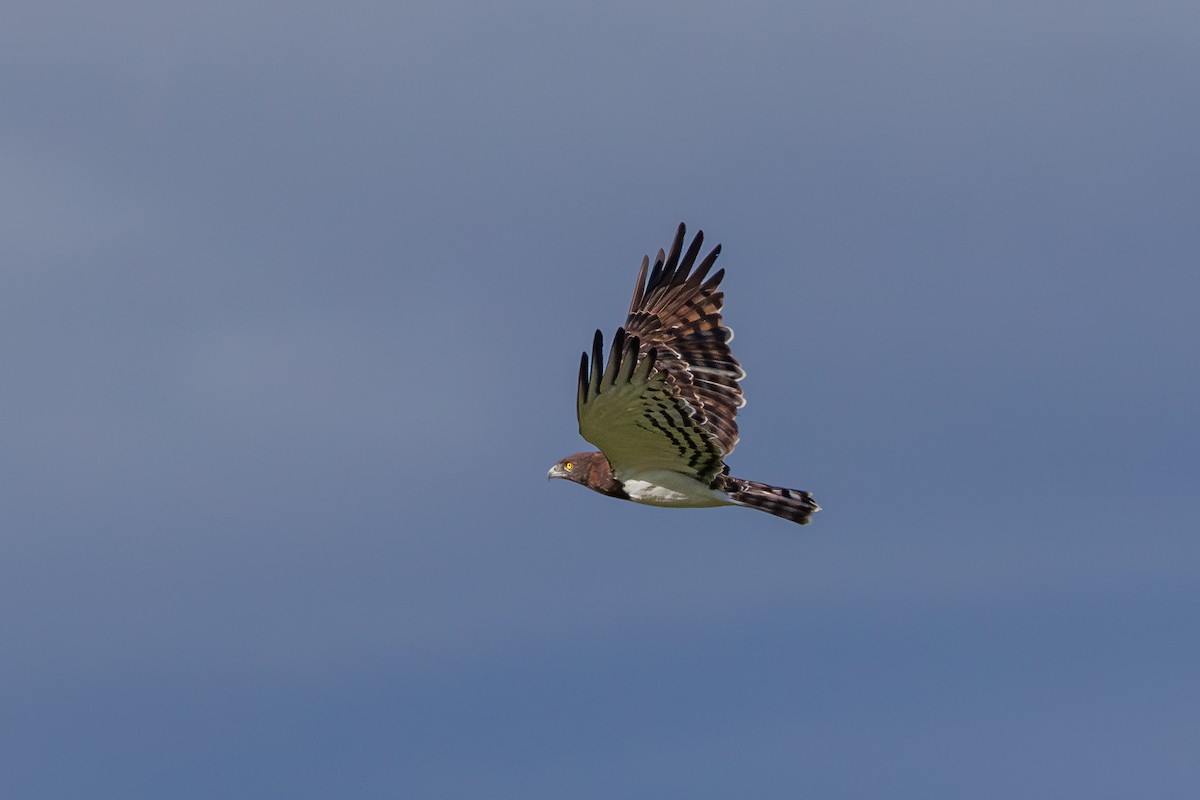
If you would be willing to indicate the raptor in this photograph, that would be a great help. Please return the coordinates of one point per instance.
(663, 408)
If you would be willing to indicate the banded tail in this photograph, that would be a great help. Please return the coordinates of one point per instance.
(796, 505)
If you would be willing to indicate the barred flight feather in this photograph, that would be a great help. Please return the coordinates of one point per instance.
(630, 393)
(679, 308)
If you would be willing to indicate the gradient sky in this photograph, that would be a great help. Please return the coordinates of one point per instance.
(292, 297)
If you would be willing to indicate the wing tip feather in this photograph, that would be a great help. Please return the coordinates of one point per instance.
(581, 391)
(614, 357)
(639, 289)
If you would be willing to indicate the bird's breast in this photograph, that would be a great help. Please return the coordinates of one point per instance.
(664, 488)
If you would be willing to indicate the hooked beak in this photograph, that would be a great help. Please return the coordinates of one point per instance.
(556, 472)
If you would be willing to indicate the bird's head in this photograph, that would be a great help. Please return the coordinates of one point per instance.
(581, 468)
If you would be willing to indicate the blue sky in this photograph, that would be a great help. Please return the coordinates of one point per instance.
(291, 302)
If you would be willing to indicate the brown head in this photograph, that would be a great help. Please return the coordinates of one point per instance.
(591, 470)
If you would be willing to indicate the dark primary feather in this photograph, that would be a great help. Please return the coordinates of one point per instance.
(677, 312)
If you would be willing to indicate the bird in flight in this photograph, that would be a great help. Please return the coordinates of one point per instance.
(662, 409)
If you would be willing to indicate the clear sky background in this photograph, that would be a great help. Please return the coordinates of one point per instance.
(292, 297)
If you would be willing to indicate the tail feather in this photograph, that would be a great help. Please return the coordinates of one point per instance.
(796, 505)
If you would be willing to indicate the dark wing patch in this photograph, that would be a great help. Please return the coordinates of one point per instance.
(676, 313)
(634, 413)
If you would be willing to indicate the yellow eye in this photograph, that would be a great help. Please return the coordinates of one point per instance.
(568, 466)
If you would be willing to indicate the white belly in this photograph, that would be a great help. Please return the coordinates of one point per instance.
(665, 488)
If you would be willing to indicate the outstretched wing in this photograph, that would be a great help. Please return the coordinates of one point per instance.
(676, 313)
(633, 411)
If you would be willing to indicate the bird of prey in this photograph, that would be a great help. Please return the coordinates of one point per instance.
(662, 409)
